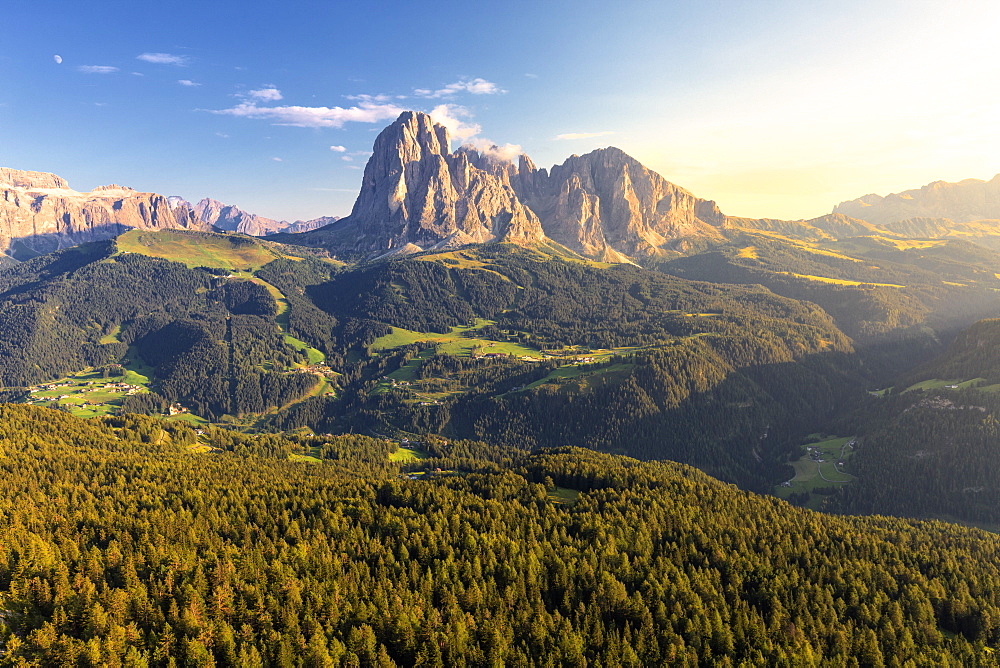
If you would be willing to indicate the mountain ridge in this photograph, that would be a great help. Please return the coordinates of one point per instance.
(961, 202)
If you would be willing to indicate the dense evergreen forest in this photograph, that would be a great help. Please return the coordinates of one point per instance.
(122, 546)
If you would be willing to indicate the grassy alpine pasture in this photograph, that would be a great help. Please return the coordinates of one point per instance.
(88, 393)
(817, 468)
(841, 281)
(455, 342)
(563, 496)
(581, 372)
(199, 249)
(939, 384)
(408, 455)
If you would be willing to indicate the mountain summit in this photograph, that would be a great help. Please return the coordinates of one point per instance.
(607, 202)
(416, 192)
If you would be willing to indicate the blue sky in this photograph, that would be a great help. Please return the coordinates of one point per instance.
(773, 108)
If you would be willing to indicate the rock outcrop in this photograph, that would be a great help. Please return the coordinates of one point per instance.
(40, 213)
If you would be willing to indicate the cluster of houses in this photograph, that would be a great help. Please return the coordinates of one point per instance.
(82, 390)
(321, 369)
(54, 386)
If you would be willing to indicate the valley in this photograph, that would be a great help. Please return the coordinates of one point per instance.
(732, 397)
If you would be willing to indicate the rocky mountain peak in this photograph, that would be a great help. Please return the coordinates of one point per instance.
(40, 213)
(416, 191)
(607, 200)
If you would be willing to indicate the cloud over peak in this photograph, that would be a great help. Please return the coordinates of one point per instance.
(452, 117)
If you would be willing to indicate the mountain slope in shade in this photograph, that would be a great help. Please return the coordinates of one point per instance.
(962, 202)
(40, 213)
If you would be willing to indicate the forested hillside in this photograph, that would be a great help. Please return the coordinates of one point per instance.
(929, 446)
(523, 348)
(614, 358)
(212, 338)
(122, 546)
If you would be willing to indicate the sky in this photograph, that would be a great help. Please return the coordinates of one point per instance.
(772, 108)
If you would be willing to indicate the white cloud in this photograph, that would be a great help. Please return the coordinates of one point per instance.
(450, 116)
(505, 153)
(277, 159)
(222, 134)
(57, 58)
(187, 82)
(338, 149)
(347, 158)
(530, 75)
(97, 69)
(138, 74)
(477, 86)
(584, 135)
(164, 59)
(373, 99)
(266, 94)
(314, 117)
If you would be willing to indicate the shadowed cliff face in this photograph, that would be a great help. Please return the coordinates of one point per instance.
(39, 213)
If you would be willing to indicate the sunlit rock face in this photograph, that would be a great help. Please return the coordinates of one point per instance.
(40, 213)
(606, 202)
(417, 192)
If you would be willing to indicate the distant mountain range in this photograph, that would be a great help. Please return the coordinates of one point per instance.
(963, 202)
(40, 213)
(417, 194)
(231, 218)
